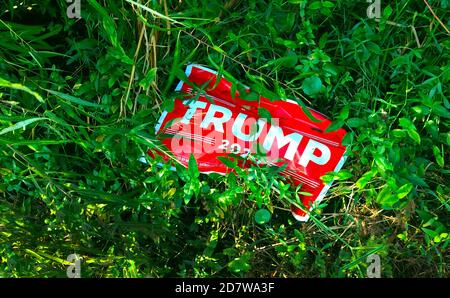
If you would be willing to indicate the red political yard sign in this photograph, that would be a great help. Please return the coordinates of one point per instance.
(214, 123)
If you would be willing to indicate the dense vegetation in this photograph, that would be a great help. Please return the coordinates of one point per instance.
(79, 99)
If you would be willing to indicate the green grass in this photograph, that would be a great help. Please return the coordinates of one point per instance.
(79, 100)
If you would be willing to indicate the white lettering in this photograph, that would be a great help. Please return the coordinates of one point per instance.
(193, 106)
(216, 121)
(275, 132)
(237, 128)
(308, 154)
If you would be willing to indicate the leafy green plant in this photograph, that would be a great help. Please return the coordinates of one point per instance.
(79, 100)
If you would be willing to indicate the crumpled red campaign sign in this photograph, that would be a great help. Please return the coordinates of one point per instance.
(210, 121)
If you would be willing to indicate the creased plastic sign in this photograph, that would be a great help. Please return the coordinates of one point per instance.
(208, 122)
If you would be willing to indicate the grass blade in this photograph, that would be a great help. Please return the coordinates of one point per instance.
(21, 124)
